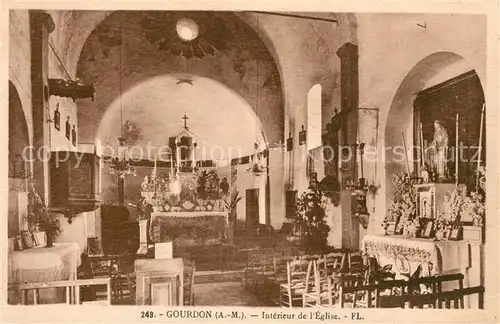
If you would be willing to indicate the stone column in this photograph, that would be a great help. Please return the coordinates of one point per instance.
(41, 25)
(349, 89)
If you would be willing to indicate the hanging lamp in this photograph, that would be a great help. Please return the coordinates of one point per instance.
(120, 165)
(258, 163)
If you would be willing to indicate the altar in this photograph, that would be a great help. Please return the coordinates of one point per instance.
(406, 255)
(189, 228)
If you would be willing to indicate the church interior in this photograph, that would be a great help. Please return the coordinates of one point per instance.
(247, 158)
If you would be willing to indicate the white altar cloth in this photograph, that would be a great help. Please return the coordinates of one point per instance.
(405, 254)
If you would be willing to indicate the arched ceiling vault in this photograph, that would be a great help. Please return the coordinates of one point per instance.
(140, 41)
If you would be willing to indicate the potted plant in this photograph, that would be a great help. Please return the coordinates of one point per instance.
(309, 220)
(49, 223)
(230, 207)
(40, 216)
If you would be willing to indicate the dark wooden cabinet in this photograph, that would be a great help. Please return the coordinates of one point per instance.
(75, 182)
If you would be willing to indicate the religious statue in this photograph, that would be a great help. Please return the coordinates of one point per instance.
(438, 151)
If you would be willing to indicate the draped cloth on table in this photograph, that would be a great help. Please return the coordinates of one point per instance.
(406, 254)
(38, 264)
(189, 228)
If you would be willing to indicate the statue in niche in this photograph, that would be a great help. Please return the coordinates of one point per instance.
(438, 152)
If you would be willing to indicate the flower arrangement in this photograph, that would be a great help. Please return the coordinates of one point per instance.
(474, 205)
(440, 226)
(403, 206)
(453, 203)
(459, 203)
(410, 227)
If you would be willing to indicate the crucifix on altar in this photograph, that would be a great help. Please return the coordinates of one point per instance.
(185, 149)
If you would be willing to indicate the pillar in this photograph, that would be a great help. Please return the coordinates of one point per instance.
(349, 89)
(41, 25)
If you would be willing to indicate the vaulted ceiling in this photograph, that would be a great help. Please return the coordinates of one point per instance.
(129, 49)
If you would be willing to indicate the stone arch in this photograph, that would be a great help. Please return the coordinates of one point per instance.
(433, 69)
(18, 135)
(17, 168)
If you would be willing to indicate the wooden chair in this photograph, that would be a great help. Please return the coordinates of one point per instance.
(334, 261)
(189, 273)
(72, 288)
(356, 264)
(258, 265)
(367, 295)
(297, 276)
(318, 293)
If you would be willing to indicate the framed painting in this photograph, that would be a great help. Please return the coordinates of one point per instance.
(27, 239)
(19, 243)
(455, 233)
(427, 228)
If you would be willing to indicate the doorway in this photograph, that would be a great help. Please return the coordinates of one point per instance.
(252, 207)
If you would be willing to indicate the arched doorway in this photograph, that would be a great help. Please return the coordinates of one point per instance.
(18, 168)
(436, 71)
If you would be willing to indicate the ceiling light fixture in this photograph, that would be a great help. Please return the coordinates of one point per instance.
(187, 29)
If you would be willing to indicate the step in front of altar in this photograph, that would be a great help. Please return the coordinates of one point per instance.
(208, 257)
(202, 277)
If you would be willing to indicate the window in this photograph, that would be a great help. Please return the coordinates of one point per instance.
(314, 117)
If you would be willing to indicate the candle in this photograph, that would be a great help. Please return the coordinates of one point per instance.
(480, 138)
(456, 151)
(406, 154)
(422, 156)
(171, 166)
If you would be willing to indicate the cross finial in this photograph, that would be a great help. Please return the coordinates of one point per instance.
(185, 121)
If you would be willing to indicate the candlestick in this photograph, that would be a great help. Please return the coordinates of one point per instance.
(456, 151)
(480, 145)
(406, 156)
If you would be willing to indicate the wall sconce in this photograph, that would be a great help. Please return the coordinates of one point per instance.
(68, 129)
(73, 135)
(57, 118)
(289, 142)
(302, 136)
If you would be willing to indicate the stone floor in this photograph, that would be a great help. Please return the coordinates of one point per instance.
(224, 294)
